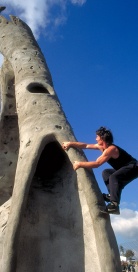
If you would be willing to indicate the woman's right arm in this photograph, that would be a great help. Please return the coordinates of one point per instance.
(67, 145)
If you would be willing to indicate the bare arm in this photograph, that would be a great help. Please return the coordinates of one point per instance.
(107, 154)
(67, 145)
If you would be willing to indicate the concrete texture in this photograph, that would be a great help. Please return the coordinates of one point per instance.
(49, 214)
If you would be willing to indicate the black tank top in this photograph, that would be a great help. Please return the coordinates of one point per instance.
(123, 159)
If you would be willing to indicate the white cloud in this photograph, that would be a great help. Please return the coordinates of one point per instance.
(79, 2)
(40, 14)
(125, 226)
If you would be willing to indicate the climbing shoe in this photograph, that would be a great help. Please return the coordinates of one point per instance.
(113, 208)
(106, 197)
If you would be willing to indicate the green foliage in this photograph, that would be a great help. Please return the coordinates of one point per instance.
(127, 253)
(122, 250)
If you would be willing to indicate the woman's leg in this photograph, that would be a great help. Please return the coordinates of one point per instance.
(119, 179)
(106, 174)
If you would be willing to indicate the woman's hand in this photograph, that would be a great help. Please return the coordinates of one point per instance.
(76, 165)
(66, 145)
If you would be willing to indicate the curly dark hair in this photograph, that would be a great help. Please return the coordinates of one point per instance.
(105, 134)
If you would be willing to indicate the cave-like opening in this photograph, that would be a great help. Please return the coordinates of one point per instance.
(50, 163)
(36, 87)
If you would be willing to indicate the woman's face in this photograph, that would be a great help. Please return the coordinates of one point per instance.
(99, 140)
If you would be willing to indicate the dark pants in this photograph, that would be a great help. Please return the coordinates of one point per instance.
(116, 180)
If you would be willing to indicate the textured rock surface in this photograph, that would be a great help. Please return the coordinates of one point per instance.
(49, 215)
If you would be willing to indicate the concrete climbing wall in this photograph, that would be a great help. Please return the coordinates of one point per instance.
(50, 219)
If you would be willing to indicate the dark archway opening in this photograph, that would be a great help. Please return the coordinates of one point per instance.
(53, 216)
(37, 88)
(51, 161)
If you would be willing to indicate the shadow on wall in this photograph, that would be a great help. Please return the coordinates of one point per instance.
(9, 138)
(51, 237)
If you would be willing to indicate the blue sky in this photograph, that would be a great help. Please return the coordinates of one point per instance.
(91, 48)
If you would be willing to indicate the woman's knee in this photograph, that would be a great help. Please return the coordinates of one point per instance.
(106, 174)
(113, 178)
